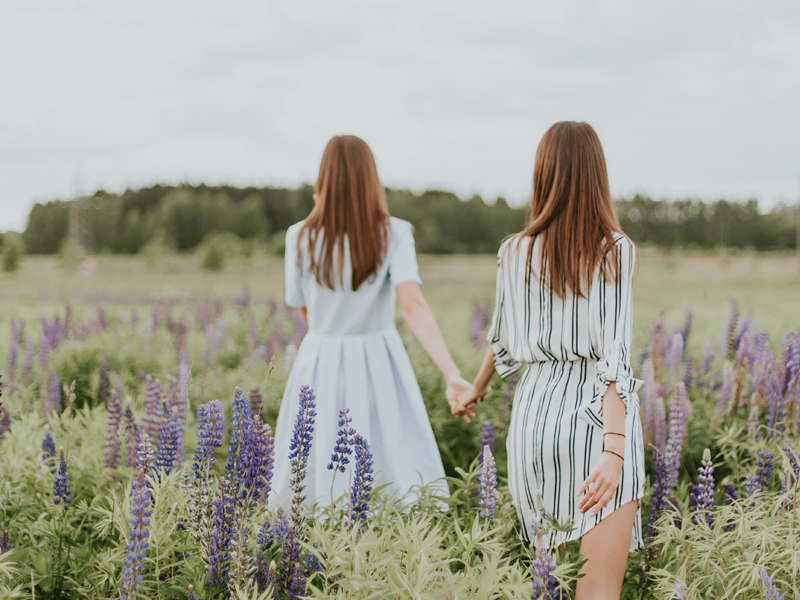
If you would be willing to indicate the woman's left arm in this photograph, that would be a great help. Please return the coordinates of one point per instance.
(419, 317)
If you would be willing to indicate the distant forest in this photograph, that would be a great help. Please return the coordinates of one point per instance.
(183, 216)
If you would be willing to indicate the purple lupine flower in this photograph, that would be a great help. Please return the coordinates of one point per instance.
(153, 407)
(659, 339)
(104, 391)
(704, 491)
(210, 427)
(764, 469)
(27, 365)
(221, 539)
(688, 371)
(235, 464)
(132, 436)
(145, 459)
(660, 424)
(342, 449)
(792, 465)
(61, 491)
(139, 534)
(53, 403)
(725, 397)
(5, 543)
(661, 489)
(274, 533)
(681, 591)
(313, 564)
(750, 486)
(708, 357)
(255, 401)
(49, 449)
(361, 490)
(44, 352)
(260, 459)
(112, 431)
(487, 439)
(728, 339)
(677, 433)
(13, 351)
(745, 354)
(167, 442)
(770, 590)
(675, 358)
(487, 481)
(752, 423)
(543, 566)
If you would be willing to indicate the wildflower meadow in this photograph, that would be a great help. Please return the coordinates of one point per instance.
(137, 455)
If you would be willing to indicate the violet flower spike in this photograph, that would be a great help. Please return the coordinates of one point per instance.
(342, 449)
(5, 543)
(764, 470)
(139, 534)
(49, 449)
(61, 491)
(361, 491)
(112, 432)
(661, 489)
(487, 481)
(487, 439)
(770, 590)
(543, 566)
(704, 491)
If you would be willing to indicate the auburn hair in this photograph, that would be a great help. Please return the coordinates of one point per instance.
(351, 205)
(572, 211)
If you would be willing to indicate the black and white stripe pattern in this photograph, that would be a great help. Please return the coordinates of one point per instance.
(573, 348)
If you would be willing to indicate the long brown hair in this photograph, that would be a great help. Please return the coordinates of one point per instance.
(350, 204)
(572, 210)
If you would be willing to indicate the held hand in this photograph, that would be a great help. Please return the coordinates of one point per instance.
(456, 387)
(602, 483)
(467, 401)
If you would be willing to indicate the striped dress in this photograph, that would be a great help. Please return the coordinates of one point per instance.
(572, 349)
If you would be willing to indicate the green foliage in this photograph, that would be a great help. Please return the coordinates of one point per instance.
(11, 254)
(213, 254)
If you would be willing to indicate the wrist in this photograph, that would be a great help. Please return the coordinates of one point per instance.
(451, 374)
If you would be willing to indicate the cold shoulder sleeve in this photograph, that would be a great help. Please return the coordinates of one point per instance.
(403, 260)
(292, 270)
(611, 322)
(498, 335)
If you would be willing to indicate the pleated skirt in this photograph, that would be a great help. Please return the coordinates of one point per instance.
(552, 450)
(372, 376)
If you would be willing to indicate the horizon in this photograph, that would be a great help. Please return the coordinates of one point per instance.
(689, 101)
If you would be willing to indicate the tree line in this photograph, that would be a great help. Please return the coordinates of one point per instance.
(183, 216)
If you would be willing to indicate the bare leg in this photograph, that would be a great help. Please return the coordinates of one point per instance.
(606, 547)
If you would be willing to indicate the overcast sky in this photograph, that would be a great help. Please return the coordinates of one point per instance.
(689, 97)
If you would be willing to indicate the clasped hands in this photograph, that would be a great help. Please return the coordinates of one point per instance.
(462, 397)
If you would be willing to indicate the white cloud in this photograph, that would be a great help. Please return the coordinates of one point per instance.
(688, 98)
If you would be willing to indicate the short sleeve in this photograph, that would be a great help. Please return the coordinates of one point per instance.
(498, 336)
(611, 322)
(403, 261)
(293, 273)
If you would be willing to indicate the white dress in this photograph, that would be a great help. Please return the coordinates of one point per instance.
(573, 349)
(353, 357)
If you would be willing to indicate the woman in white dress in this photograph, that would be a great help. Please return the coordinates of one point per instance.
(563, 311)
(345, 266)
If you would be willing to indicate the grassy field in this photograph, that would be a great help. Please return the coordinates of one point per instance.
(766, 284)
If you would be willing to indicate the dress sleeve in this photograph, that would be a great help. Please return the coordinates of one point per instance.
(498, 335)
(293, 273)
(611, 323)
(403, 266)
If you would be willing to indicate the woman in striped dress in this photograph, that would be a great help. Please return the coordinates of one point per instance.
(564, 311)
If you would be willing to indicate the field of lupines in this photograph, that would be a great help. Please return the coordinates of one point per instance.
(133, 465)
